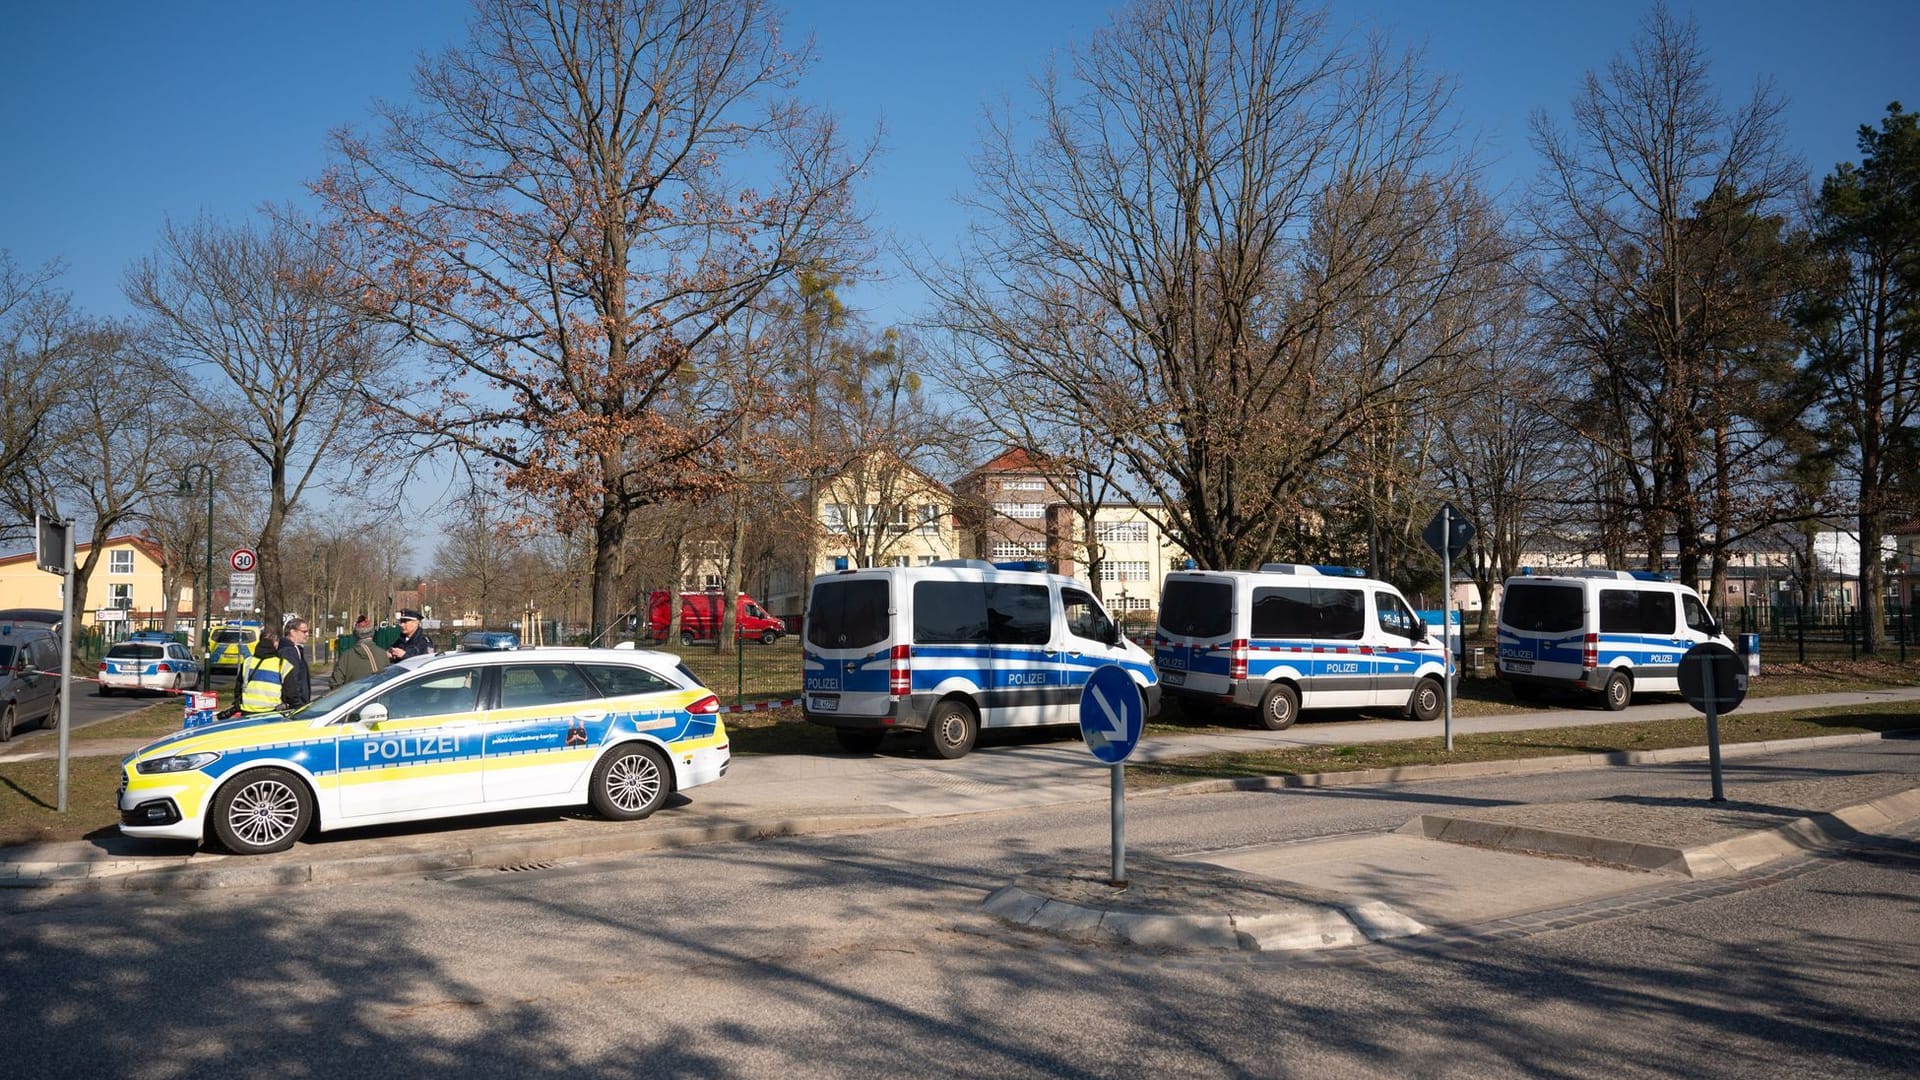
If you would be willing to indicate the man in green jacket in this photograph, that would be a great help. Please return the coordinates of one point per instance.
(360, 659)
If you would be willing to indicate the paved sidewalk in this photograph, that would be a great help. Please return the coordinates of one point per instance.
(1437, 871)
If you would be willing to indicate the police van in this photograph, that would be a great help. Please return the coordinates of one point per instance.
(1289, 637)
(1613, 632)
(954, 647)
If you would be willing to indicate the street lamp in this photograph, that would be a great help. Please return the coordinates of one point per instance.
(206, 583)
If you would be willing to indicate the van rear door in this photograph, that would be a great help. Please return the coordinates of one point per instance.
(845, 662)
(1196, 634)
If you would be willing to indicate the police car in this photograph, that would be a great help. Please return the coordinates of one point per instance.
(437, 736)
(148, 664)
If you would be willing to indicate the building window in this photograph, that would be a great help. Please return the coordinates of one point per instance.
(930, 518)
(834, 517)
(1129, 603)
(120, 596)
(1024, 511)
(1014, 549)
(120, 562)
(1120, 532)
(1023, 485)
(899, 560)
(1123, 570)
(928, 560)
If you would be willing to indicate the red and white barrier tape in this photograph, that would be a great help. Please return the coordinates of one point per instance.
(760, 706)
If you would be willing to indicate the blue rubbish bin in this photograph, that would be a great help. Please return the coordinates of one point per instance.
(1750, 648)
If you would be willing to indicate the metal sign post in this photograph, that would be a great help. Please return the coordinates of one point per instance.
(1713, 681)
(1448, 534)
(53, 552)
(1112, 715)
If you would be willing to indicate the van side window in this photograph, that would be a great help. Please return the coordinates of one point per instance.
(1635, 611)
(1084, 617)
(1341, 614)
(949, 613)
(1395, 618)
(1697, 617)
(1019, 614)
(1283, 613)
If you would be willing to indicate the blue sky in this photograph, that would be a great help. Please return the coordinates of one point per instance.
(116, 114)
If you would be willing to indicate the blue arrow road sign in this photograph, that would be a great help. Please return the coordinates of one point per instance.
(1111, 714)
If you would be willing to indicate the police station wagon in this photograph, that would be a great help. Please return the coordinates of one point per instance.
(437, 736)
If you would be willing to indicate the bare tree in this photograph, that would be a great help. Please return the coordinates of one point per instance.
(587, 192)
(1227, 246)
(39, 331)
(257, 340)
(1662, 214)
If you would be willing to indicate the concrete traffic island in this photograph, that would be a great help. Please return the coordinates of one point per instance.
(1688, 837)
(1169, 904)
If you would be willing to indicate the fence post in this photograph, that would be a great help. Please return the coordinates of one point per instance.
(1801, 614)
(1853, 641)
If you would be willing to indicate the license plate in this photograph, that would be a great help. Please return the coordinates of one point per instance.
(824, 704)
(1518, 665)
(1173, 678)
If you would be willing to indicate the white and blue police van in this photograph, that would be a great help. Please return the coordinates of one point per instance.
(1289, 637)
(954, 647)
(1610, 632)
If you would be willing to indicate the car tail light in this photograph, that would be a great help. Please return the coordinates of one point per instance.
(1590, 654)
(164, 670)
(900, 671)
(1237, 659)
(103, 665)
(705, 706)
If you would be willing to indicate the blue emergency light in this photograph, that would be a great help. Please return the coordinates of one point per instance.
(1037, 566)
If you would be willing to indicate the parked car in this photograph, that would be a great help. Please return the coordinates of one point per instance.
(231, 644)
(136, 666)
(29, 677)
(437, 736)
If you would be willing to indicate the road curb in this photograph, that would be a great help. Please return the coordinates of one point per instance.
(1519, 766)
(1730, 856)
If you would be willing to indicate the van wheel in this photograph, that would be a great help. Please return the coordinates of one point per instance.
(858, 742)
(1428, 702)
(1279, 708)
(769, 637)
(686, 637)
(1619, 691)
(261, 812)
(951, 730)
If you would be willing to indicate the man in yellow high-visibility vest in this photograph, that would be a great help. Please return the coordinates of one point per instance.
(261, 676)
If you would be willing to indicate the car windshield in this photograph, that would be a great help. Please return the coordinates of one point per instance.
(341, 695)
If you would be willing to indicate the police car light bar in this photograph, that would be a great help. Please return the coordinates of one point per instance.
(1322, 569)
(1038, 566)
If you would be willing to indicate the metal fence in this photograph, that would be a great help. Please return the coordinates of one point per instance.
(1822, 631)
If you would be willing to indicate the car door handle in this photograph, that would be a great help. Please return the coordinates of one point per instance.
(590, 717)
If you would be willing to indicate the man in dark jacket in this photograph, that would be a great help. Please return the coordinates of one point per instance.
(412, 641)
(296, 686)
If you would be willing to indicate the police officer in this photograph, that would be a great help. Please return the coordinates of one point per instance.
(412, 641)
(296, 685)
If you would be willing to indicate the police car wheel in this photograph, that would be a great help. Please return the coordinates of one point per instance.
(6, 723)
(1279, 708)
(105, 690)
(629, 783)
(261, 812)
(858, 742)
(1427, 702)
(951, 730)
(1619, 691)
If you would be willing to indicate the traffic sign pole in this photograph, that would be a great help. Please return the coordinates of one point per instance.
(1118, 793)
(1446, 623)
(1112, 717)
(1713, 731)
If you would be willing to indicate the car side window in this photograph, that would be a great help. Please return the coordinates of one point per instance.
(622, 680)
(527, 685)
(435, 695)
(1697, 617)
(1394, 616)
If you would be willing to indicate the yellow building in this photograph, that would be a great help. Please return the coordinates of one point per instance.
(877, 511)
(125, 589)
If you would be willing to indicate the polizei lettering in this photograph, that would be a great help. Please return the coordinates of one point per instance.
(405, 747)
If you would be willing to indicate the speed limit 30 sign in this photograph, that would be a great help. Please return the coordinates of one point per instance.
(244, 559)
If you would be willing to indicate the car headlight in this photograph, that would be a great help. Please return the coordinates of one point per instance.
(180, 763)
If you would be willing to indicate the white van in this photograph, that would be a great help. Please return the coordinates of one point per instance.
(1289, 637)
(1610, 631)
(954, 647)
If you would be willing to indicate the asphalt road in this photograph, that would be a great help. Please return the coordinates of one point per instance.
(866, 954)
